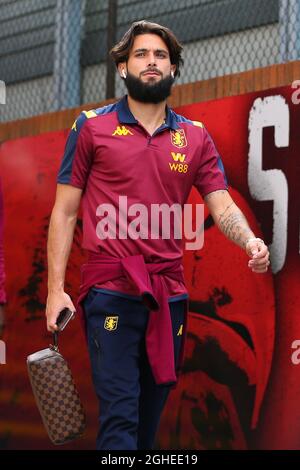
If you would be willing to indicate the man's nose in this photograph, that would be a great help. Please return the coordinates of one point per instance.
(151, 59)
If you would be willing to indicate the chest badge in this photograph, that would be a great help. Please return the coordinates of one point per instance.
(178, 138)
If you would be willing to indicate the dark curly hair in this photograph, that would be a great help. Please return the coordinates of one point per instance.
(120, 52)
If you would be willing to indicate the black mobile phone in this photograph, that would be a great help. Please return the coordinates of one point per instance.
(63, 318)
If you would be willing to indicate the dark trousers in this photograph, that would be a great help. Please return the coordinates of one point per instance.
(130, 403)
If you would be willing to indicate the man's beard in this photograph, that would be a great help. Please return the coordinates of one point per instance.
(148, 92)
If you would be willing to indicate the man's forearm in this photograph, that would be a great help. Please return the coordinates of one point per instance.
(61, 231)
(234, 225)
(232, 222)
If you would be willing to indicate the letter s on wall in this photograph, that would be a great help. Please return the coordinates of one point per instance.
(270, 185)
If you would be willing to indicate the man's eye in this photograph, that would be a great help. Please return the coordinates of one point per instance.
(139, 54)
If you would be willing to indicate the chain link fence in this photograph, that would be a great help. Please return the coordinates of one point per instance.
(53, 53)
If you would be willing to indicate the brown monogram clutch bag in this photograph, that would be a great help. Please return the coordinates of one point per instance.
(56, 395)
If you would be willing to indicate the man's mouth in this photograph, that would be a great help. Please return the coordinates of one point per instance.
(151, 73)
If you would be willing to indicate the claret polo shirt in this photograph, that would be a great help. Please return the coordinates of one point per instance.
(109, 154)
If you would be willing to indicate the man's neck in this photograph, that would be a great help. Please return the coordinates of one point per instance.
(150, 115)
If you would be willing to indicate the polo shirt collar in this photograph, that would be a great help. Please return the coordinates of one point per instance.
(125, 116)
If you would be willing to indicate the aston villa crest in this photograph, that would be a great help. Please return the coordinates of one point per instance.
(111, 323)
(178, 138)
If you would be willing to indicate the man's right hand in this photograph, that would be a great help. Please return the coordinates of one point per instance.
(56, 302)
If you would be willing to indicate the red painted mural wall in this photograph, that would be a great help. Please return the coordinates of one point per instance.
(241, 381)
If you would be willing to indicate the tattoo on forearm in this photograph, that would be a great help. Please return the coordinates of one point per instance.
(221, 215)
(235, 226)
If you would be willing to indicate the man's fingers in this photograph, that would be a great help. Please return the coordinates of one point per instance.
(260, 264)
(72, 308)
(258, 261)
(260, 268)
(51, 326)
(256, 249)
(51, 322)
(55, 304)
(261, 252)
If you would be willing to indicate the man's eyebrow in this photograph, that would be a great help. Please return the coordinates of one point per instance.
(146, 50)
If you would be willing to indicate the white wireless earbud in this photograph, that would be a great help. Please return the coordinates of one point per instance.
(172, 73)
(123, 74)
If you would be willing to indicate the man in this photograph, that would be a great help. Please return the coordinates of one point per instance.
(133, 299)
(2, 273)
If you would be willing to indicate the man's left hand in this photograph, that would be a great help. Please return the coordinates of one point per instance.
(259, 254)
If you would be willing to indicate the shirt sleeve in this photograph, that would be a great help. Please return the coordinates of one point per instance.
(211, 174)
(2, 272)
(78, 154)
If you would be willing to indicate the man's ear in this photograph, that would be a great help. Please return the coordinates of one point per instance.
(122, 69)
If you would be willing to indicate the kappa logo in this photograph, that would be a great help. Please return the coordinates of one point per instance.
(180, 330)
(111, 323)
(180, 167)
(178, 138)
(122, 130)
